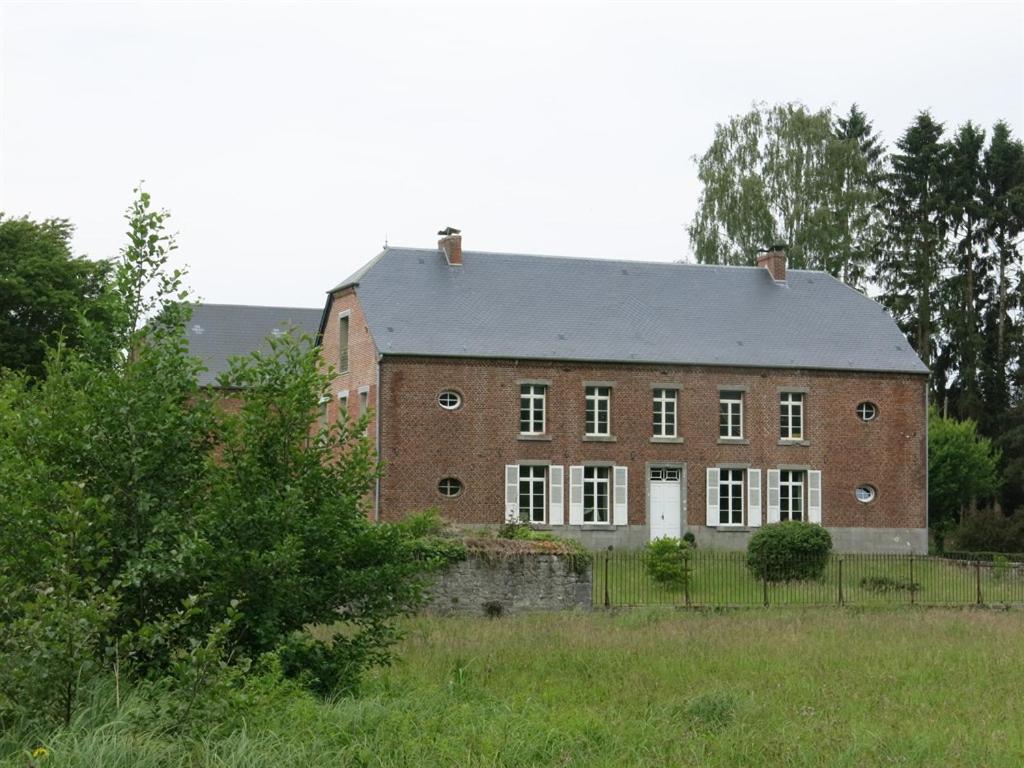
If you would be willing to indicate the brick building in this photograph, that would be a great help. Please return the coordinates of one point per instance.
(620, 401)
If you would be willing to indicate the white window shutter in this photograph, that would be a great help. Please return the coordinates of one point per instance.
(511, 493)
(773, 496)
(753, 498)
(556, 505)
(712, 494)
(814, 497)
(620, 514)
(575, 495)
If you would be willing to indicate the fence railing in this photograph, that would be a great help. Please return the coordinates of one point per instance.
(722, 579)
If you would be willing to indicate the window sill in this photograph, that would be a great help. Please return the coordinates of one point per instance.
(794, 442)
(536, 438)
(675, 440)
(599, 439)
(733, 441)
(732, 528)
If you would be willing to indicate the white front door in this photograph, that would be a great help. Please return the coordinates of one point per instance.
(664, 489)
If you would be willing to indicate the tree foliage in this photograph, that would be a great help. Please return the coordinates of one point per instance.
(46, 294)
(149, 529)
(963, 467)
(783, 174)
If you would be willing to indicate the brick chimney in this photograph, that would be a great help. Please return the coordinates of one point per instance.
(450, 245)
(774, 260)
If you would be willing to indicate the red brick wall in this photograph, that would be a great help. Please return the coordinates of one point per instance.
(421, 442)
(362, 355)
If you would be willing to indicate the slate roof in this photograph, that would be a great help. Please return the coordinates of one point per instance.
(219, 331)
(503, 305)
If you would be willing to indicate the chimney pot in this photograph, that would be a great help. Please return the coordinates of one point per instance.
(774, 260)
(450, 245)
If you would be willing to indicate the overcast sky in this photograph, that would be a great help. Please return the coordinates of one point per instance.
(289, 141)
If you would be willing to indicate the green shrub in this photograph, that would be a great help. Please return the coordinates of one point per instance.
(690, 539)
(789, 551)
(883, 584)
(989, 531)
(668, 562)
(1000, 567)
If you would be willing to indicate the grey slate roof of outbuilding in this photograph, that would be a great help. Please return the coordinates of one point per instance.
(502, 305)
(219, 331)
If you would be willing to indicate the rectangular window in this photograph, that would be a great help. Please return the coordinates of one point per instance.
(599, 406)
(791, 416)
(730, 414)
(364, 401)
(343, 344)
(321, 415)
(730, 496)
(665, 402)
(343, 405)
(532, 485)
(791, 494)
(531, 409)
(596, 487)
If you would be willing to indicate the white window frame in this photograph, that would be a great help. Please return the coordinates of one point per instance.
(730, 479)
(343, 404)
(592, 485)
(872, 493)
(599, 399)
(662, 398)
(733, 417)
(865, 404)
(791, 404)
(533, 481)
(364, 400)
(343, 341)
(445, 394)
(532, 398)
(792, 487)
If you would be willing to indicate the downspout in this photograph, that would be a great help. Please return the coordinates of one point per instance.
(376, 490)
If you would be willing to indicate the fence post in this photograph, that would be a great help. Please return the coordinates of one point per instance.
(607, 602)
(686, 580)
(765, 583)
(912, 589)
(840, 581)
(977, 578)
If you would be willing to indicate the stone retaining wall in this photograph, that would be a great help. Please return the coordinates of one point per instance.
(494, 585)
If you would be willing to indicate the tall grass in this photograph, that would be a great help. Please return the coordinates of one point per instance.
(651, 687)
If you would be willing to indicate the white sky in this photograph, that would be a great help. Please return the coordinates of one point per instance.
(289, 141)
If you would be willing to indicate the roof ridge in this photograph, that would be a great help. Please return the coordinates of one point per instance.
(252, 306)
(597, 259)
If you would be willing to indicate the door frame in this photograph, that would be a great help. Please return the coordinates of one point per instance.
(681, 466)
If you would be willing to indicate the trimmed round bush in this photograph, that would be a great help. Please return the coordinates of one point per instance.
(790, 551)
(666, 562)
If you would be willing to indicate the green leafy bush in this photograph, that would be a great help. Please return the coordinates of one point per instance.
(988, 531)
(883, 584)
(789, 551)
(149, 531)
(668, 562)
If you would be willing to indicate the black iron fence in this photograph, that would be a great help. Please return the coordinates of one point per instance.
(723, 579)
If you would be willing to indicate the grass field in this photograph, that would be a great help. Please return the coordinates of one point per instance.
(722, 579)
(650, 687)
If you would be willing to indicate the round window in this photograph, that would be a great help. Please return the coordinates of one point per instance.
(449, 486)
(865, 493)
(449, 399)
(867, 411)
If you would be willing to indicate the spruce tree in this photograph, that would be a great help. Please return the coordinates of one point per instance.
(911, 263)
